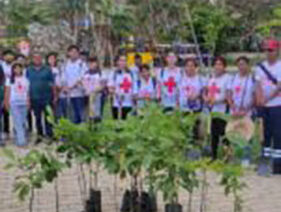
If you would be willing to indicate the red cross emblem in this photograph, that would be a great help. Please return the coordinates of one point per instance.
(237, 89)
(20, 88)
(213, 90)
(126, 85)
(170, 84)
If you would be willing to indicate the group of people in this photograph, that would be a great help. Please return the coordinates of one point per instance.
(78, 89)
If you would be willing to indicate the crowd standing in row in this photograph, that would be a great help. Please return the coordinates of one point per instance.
(71, 87)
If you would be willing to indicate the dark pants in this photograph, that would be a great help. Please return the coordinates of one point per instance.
(124, 112)
(61, 110)
(39, 108)
(217, 132)
(6, 120)
(272, 136)
(29, 121)
(78, 107)
(1, 129)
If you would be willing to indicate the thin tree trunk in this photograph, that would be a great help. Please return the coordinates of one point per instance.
(82, 186)
(203, 203)
(31, 200)
(189, 207)
(57, 196)
(115, 194)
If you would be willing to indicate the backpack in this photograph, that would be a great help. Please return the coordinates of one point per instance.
(116, 73)
(154, 83)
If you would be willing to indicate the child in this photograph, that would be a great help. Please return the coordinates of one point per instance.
(122, 86)
(94, 86)
(146, 86)
(17, 99)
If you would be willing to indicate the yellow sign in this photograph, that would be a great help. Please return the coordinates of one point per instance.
(147, 58)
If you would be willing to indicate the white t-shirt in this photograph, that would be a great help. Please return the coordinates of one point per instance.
(125, 87)
(73, 73)
(7, 68)
(55, 71)
(267, 86)
(243, 88)
(91, 81)
(217, 89)
(191, 86)
(19, 90)
(135, 70)
(60, 81)
(169, 81)
(145, 89)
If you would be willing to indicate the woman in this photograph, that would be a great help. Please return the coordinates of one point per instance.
(17, 99)
(215, 99)
(191, 87)
(53, 64)
(94, 84)
(168, 83)
(59, 98)
(242, 90)
(241, 95)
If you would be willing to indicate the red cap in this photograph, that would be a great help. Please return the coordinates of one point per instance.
(271, 44)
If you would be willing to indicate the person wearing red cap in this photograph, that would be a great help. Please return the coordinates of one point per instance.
(268, 78)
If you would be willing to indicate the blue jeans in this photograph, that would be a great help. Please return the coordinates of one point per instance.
(19, 114)
(62, 108)
(78, 105)
(39, 108)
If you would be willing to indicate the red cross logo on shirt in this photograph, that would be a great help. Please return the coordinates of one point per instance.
(213, 90)
(238, 89)
(170, 84)
(126, 85)
(20, 88)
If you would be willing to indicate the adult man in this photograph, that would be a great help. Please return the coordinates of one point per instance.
(74, 70)
(41, 93)
(268, 77)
